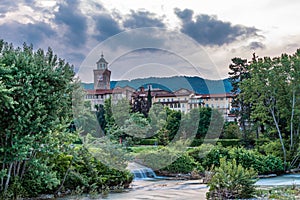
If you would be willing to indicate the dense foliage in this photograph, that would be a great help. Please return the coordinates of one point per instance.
(209, 156)
(231, 181)
(269, 87)
(37, 153)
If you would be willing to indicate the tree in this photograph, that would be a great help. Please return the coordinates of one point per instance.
(100, 113)
(231, 131)
(85, 119)
(120, 111)
(172, 123)
(271, 91)
(136, 126)
(239, 73)
(108, 114)
(36, 97)
(157, 118)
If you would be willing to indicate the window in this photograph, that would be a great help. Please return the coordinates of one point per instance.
(164, 100)
(179, 105)
(183, 105)
(216, 99)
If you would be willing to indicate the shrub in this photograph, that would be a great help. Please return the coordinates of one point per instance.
(184, 164)
(213, 157)
(199, 153)
(263, 164)
(88, 173)
(231, 131)
(231, 181)
(272, 148)
(171, 158)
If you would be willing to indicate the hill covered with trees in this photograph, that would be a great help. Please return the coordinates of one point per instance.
(197, 84)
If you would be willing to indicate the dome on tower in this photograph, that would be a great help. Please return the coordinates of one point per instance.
(102, 63)
(102, 60)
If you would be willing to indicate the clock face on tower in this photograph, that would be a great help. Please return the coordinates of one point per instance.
(100, 78)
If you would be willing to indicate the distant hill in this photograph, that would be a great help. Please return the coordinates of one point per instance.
(197, 84)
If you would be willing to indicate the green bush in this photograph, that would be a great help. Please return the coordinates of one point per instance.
(231, 181)
(40, 178)
(231, 131)
(173, 158)
(272, 148)
(200, 152)
(88, 173)
(213, 157)
(263, 164)
(184, 164)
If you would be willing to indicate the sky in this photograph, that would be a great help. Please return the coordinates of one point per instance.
(155, 38)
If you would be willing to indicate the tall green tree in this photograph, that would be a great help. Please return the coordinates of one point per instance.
(35, 105)
(239, 72)
(172, 123)
(100, 113)
(108, 114)
(272, 92)
(157, 118)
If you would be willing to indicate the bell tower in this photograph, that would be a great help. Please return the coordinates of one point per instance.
(102, 75)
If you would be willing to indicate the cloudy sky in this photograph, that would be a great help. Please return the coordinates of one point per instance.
(195, 37)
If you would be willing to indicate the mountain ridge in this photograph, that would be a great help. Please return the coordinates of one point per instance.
(194, 83)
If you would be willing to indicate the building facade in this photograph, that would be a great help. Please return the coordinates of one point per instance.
(182, 100)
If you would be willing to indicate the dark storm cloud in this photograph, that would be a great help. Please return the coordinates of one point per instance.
(208, 30)
(71, 17)
(29, 33)
(256, 45)
(141, 19)
(106, 26)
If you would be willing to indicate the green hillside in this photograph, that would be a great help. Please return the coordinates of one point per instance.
(197, 84)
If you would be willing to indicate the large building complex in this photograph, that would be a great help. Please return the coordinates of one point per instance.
(182, 100)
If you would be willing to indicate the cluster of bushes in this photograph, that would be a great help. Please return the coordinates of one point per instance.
(184, 164)
(170, 159)
(174, 159)
(209, 156)
(89, 173)
(78, 171)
